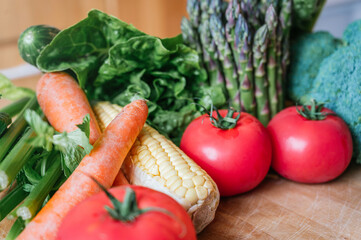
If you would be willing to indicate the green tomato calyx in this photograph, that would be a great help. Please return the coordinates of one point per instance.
(313, 111)
(128, 210)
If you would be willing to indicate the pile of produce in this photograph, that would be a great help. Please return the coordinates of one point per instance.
(114, 103)
(328, 69)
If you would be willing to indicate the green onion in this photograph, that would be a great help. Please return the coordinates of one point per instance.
(35, 200)
(16, 229)
(17, 128)
(15, 107)
(11, 200)
(16, 159)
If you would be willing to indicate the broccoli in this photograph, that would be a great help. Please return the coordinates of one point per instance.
(307, 53)
(338, 81)
(352, 34)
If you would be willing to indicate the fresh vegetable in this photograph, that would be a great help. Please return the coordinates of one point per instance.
(5, 121)
(29, 208)
(233, 148)
(103, 163)
(16, 129)
(338, 82)
(16, 159)
(155, 162)
(14, 108)
(310, 144)
(307, 53)
(120, 179)
(131, 212)
(11, 200)
(118, 63)
(64, 103)
(261, 82)
(32, 41)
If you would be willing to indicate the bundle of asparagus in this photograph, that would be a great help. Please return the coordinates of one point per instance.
(243, 46)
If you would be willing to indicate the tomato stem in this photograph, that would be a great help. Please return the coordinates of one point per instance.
(128, 210)
(224, 123)
(313, 111)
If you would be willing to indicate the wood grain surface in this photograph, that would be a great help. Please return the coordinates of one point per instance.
(280, 209)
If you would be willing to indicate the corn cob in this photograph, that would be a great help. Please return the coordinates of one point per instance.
(157, 163)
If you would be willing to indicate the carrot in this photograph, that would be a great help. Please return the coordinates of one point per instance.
(103, 163)
(120, 179)
(65, 104)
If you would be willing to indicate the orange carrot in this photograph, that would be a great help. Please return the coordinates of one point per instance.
(65, 104)
(103, 163)
(120, 179)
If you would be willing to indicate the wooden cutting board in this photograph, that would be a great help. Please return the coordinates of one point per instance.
(281, 209)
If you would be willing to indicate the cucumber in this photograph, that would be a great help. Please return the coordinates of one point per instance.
(33, 40)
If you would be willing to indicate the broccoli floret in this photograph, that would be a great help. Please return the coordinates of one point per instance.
(352, 34)
(338, 84)
(307, 53)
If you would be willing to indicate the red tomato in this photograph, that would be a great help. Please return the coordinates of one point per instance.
(237, 159)
(309, 151)
(89, 220)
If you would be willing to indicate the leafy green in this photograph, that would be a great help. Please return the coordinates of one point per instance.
(11, 92)
(114, 61)
(73, 146)
(84, 46)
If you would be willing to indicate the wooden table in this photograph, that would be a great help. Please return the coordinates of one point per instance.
(281, 209)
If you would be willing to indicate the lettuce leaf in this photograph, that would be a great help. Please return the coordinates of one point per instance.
(114, 61)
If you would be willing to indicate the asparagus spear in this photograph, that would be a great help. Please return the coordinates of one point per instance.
(252, 13)
(215, 74)
(245, 70)
(283, 51)
(193, 9)
(226, 58)
(191, 38)
(232, 13)
(261, 84)
(271, 21)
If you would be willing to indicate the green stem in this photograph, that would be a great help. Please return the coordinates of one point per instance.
(272, 22)
(261, 83)
(5, 121)
(313, 111)
(16, 159)
(16, 229)
(11, 200)
(18, 127)
(34, 201)
(15, 107)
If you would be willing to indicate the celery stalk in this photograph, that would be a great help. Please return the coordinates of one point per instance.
(7, 140)
(15, 107)
(16, 159)
(16, 229)
(34, 201)
(11, 200)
